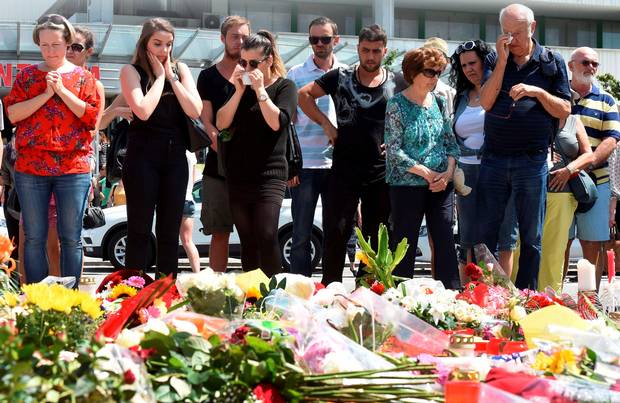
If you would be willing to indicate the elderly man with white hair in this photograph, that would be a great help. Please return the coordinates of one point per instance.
(599, 114)
(525, 92)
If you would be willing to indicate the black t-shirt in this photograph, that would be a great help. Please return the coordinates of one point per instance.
(360, 112)
(215, 88)
(256, 152)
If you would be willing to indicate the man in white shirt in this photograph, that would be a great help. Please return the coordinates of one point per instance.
(316, 151)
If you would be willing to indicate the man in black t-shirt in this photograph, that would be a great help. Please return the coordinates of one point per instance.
(215, 88)
(360, 95)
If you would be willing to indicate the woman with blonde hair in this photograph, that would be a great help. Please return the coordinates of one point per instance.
(161, 94)
(256, 170)
(55, 107)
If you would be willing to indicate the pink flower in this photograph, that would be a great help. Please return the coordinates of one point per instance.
(148, 313)
(135, 281)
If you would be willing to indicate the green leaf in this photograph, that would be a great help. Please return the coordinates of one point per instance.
(365, 245)
(400, 252)
(182, 388)
(282, 284)
(273, 283)
(382, 248)
(257, 344)
(263, 290)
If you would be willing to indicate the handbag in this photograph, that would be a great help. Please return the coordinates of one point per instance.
(294, 158)
(198, 136)
(93, 218)
(584, 189)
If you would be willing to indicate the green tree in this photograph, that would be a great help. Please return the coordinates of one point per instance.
(610, 84)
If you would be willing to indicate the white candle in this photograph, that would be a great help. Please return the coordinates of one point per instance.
(586, 276)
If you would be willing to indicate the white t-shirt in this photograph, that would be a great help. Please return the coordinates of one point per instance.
(191, 162)
(470, 127)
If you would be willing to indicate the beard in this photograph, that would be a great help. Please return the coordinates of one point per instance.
(582, 78)
(232, 54)
(323, 53)
(370, 69)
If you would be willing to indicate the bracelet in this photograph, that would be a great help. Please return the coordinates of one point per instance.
(571, 170)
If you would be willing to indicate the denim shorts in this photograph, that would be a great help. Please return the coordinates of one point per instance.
(189, 208)
(593, 225)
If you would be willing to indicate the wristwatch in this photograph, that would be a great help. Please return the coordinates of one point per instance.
(571, 169)
(175, 77)
(263, 97)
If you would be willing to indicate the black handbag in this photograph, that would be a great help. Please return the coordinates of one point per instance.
(198, 136)
(293, 152)
(584, 189)
(93, 218)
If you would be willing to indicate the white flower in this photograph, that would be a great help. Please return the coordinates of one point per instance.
(340, 362)
(67, 356)
(408, 302)
(324, 297)
(337, 287)
(184, 326)
(129, 338)
(156, 325)
(297, 285)
(392, 295)
(517, 313)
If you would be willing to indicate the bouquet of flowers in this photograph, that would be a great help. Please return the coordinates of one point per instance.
(213, 294)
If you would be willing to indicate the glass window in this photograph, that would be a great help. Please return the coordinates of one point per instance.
(405, 23)
(611, 35)
(572, 33)
(452, 26)
(271, 15)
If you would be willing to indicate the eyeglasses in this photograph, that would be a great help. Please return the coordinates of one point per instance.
(586, 63)
(53, 18)
(76, 47)
(253, 63)
(430, 73)
(512, 107)
(325, 40)
(465, 47)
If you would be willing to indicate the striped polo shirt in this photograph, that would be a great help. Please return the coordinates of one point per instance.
(313, 142)
(599, 114)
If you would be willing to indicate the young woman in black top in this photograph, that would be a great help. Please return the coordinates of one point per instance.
(160, 92)
(256, 168)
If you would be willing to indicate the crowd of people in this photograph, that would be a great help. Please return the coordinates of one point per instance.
(377, 146)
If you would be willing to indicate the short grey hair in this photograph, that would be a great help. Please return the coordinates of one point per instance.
(525, 11)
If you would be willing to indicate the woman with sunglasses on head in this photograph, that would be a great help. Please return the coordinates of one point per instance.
(421, 157)
(161, 94)
(55, 107)
(258, 115)
(468, 126)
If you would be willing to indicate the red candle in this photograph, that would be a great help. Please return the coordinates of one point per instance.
(611, 265)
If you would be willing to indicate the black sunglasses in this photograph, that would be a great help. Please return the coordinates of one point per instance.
(466, 47)
(325, 40)
(586, 63)
(253, 63)
(430, 73)
(76, 47)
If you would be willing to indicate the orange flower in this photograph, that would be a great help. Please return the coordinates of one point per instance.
(6, 247)
(362, 257)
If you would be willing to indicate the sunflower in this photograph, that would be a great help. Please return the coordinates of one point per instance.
(90, 306)
(253, 292)
(122, 290)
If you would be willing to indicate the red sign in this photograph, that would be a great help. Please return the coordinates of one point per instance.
(6, 73)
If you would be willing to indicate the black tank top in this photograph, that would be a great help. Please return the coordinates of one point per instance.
(168, 118)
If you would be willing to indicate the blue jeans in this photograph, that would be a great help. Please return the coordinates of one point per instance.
(71, 194)
(525, 176)
(312, 183)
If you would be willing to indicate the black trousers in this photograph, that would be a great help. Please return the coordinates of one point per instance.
(155, 176)
(256, 211)
(409, 206)
(339, 209)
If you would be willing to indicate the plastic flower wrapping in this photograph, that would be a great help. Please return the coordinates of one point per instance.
(212, 293)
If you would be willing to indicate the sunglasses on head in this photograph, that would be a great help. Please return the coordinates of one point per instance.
(430, 73)
(466, 47)
(325, 40)
(586, 63)
(76, 47)
(54, 18)
(253, 63)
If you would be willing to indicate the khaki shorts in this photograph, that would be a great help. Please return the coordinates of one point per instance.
(215, 214)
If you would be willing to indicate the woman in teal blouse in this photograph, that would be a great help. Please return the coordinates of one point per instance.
(421, 156)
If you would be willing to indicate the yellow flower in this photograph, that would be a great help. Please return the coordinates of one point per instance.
(253, 292)
(90, 306)
(122, 290)
(61, 299)
(10, 299)
(564, 361)
(542, 362)
(362, 257)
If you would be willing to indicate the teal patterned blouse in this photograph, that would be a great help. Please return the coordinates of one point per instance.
(417, 135)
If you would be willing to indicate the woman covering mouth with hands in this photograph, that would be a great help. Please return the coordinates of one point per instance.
(161, 94)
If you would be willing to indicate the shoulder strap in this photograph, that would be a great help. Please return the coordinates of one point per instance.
(439, 102)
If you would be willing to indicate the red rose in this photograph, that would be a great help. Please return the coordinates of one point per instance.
(129, 377)
(267, 393)
(473, 271)
(317, 287)
(238, 337)
(377, 287)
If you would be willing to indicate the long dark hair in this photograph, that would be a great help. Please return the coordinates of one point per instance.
(457, 78)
